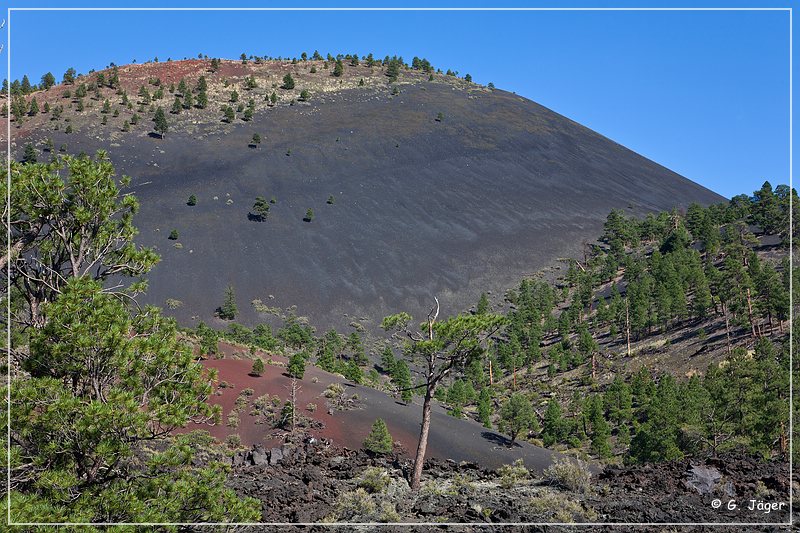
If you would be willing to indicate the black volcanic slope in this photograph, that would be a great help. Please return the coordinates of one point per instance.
(498, 189)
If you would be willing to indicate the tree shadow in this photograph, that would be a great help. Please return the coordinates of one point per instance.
(499, 439)
(154, 135)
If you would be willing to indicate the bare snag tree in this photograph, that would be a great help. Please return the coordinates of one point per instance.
(440, 348)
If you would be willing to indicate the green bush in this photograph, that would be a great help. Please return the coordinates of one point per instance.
(297, 366)
(258, 367)
(570, 474)
(374, 480)
(379, 439)
(511, 475)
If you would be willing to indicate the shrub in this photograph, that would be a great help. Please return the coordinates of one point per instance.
(258, 367)
(286, 418)
(305, 95)
(331, 200)
(374, 480)
(513, 474)
(309, 215)
(570, 474)
(172, 303)
(173, 235)
(379, 439)
(233, 441)
(192, 200)
(355, 503)
(311, 407)
(334, 390)
(233, 419)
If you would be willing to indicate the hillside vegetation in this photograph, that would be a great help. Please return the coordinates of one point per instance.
(362, 185)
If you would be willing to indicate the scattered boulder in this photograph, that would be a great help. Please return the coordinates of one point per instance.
(259, 456)
(703, 478)
(275, 456)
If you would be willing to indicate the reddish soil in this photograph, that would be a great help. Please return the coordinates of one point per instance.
(346, 428)
(450, 437)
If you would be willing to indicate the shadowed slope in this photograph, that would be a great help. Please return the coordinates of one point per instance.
(498, 189)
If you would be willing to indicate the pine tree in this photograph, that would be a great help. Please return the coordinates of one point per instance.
(326, 359)
(600, 431)
(160, 120)
(401, 377)
(34, 107)
(177, 106)
(228, 310)
(102, 394)
(258, 367)
(338, 69)
(379, 439)
(260, 209)
(553, 426)
(288, 82)
(483, 304)
(353, 372)
(657, 438)
(457, 398)
(192, 200)
(393, 70)
(356, 347)
(29, 155)
(297, 365)
(517, 416)
(387, 359)
(48, 80)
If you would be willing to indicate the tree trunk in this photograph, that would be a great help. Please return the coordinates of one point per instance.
(416, 477)
(750, 314)
(628, 326)
(515, 375)
(727, 327)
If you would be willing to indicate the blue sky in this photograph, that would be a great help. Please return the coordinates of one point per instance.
(703, 93)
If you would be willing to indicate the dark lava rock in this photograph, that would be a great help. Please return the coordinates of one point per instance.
(703, 478)
(275, 456)
(259, 456)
